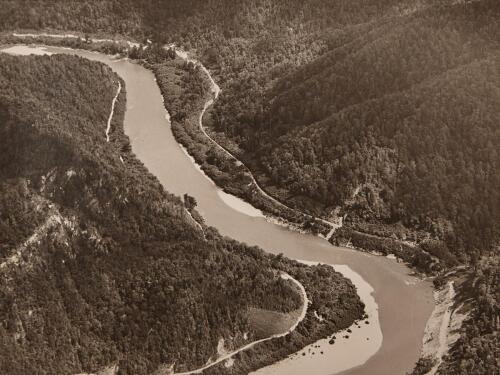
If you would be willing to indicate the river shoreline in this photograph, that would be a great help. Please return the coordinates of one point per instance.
(361, 336)
(315, 335)
(284, 213)
(248, 206)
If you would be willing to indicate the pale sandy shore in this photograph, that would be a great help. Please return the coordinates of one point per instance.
(321, 357)
(442, 329)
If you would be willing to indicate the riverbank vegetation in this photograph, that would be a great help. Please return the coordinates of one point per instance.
(186, 90)
(382, 112)
(337, 109)
(99, 265)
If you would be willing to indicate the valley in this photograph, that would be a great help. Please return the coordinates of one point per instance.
(309, 129)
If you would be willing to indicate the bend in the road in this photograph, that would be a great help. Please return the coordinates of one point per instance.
(227, 356)
(216, 91)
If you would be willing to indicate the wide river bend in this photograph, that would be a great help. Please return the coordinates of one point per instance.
(404, 302)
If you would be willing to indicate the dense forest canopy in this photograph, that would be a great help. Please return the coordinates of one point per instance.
(385, 112)
(396, 122)
(385, 109)
(98, 264)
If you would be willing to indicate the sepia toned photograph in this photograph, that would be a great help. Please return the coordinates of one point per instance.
(261, 187)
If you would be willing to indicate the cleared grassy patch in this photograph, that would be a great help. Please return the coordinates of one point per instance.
(265, 323)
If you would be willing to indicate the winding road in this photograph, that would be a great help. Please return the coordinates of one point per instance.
(227, 356)
(404, 304)
(216, 91)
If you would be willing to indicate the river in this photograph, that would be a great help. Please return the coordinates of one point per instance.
(389, 345)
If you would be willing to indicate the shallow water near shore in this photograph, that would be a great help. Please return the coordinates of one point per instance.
(404, 302)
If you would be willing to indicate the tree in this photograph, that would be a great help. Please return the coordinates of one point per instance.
(189, 202)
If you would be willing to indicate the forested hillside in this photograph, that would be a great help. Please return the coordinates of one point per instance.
(476, 351)
(99, 266)
(384, 112)
(396, 123)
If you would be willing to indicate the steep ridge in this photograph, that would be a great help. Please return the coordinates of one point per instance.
(391, 124)
(429, 65)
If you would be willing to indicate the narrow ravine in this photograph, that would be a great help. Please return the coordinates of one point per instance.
(198, 225)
